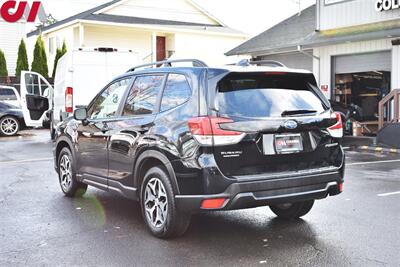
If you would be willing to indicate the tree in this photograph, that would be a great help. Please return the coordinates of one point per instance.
(64, 48)
(3, 65)
(22, 61)
(39, 63)
(59, 53)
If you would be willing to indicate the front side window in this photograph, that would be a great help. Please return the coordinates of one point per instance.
(106, 105)
(177, 91)
(32, 84)
(142, 97)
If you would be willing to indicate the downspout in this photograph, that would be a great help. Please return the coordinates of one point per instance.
(300, 50)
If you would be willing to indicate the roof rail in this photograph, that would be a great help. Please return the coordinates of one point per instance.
(167, 63)
(273, 63)
(268, 62)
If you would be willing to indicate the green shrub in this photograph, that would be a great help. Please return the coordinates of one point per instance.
(59, 53)
(3, 64)
(39, 63)
(22, 61)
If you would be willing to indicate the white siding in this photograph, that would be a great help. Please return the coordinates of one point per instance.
(10, 37)
(293, 60)
(326, 53)
(119, 37)
(209, 48)
(352, 12)
(396, 67)
(180, 10)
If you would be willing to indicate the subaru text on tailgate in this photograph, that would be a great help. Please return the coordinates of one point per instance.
(183, 140)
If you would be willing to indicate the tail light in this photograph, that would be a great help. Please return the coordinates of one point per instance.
(69, 100)
(341, 187)
(207, 131)
(336, 130)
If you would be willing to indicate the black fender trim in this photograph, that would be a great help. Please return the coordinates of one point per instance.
(71, 148)
(154, 154)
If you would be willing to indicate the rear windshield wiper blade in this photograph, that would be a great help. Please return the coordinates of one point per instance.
(297, 112)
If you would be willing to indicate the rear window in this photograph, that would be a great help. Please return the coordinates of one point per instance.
(267, 94)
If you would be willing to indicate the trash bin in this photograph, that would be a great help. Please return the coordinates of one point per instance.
(357, 129)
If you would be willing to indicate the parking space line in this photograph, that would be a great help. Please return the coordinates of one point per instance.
(24, 161)
(373, 162)
(389, 194)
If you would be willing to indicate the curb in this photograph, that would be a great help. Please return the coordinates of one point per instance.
(380, 149)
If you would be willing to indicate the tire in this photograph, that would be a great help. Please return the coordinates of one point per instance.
(67, 175)
(293, 210)
(157, 200)
(9, 126)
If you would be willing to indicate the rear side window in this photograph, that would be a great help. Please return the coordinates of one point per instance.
(7, 94)
(142, 98)
(177, 91)
(267, 94)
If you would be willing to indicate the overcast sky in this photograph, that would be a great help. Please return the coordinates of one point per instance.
(250, 16)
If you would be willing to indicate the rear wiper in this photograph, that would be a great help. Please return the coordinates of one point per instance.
(297, 112)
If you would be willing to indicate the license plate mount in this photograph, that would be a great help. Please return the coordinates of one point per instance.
(288, 143)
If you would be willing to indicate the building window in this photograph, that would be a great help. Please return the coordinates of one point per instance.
(58, 42)
(51, 45)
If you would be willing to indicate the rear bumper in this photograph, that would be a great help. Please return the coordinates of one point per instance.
(241, 195)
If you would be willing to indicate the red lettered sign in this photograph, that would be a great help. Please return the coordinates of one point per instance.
(324, 88)
(11, 11)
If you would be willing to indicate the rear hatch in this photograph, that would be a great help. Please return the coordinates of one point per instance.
(278, 123)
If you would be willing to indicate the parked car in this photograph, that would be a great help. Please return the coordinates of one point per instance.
(183, 140)
(80, 75)
(11, 119)
(10, 95)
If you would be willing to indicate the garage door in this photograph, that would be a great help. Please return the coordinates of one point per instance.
(293, 60)
(381, 61)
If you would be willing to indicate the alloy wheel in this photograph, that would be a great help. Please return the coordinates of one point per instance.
(156, 202)
(9, 126)
(65, 173)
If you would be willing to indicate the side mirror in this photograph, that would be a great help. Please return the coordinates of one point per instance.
(46, 93)
(80, 114)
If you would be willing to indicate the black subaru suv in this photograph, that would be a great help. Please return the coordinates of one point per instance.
(183, 140)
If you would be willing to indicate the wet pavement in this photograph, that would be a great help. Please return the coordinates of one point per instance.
(40, 227)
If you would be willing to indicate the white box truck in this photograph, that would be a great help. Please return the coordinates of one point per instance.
(80, 75)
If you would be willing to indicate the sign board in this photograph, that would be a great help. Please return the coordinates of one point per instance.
(13, 11)
(386, 5)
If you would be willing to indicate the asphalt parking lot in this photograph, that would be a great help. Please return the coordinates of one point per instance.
(40, 227)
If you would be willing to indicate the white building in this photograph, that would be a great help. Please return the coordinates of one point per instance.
(156, 29)
(11, 35)
(350, 45)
